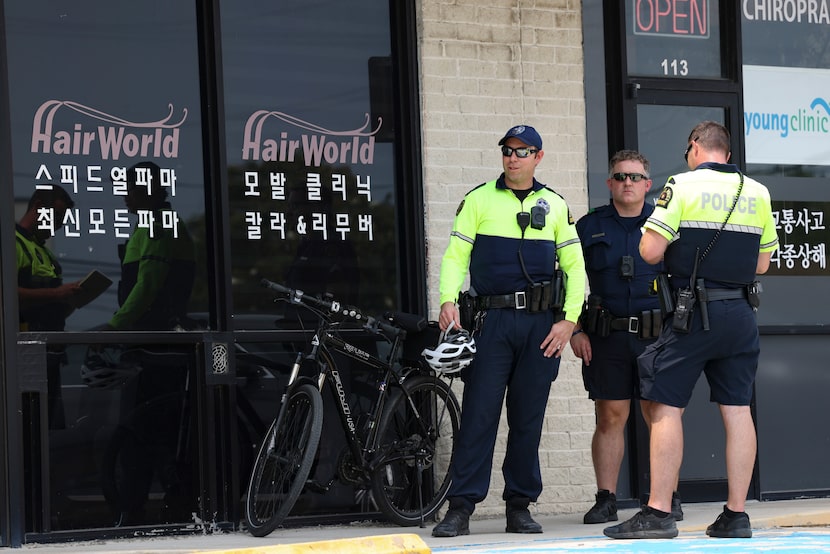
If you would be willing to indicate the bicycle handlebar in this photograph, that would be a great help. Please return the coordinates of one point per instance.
(400, 322)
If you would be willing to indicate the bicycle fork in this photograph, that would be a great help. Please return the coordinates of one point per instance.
(292, 378)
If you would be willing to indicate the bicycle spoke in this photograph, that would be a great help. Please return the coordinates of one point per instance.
(284, 461)
(417, 436)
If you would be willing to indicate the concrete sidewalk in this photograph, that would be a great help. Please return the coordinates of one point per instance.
(380, 538)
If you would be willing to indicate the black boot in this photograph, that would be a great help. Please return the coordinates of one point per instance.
(604, 510)
(676, 507)
(456, 522)
(518, 517)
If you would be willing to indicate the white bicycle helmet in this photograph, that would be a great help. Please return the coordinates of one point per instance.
(455, 351)
(105, 368)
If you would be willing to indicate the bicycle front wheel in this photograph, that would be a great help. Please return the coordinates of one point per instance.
(417, 436)
(284, 461)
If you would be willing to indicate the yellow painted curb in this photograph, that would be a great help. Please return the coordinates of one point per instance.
(382, 544)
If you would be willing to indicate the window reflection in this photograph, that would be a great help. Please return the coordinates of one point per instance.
(311, 164)
(76, 127)
(127, 453)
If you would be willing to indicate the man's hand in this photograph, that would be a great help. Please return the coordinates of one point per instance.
(581, 346)
(449, 313)
(560, 334)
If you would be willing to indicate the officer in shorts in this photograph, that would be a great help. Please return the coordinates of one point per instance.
(714, 230)
(621, 318)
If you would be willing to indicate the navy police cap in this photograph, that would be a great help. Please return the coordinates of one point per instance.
(524, 133)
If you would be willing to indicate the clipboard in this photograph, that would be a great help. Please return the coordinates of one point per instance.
(91, 288)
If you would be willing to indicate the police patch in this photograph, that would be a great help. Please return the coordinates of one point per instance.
(665, 197)
(460, 207)
(570, 218)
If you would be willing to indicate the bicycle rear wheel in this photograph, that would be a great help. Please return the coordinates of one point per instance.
(284, 461)
(417, 436)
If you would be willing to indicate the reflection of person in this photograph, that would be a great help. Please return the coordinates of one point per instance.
(157, 274)
(509, 233)
(713, 252)
(45, 300)
(620, 320)
(325, 265)
(157, 267)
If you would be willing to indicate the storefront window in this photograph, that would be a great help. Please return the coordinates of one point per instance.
(106, 135)
(673, 39)
(786, 125)
(311, 165)
(104, 102)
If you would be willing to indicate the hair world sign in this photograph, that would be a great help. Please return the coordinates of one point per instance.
(313, 144)
(87, 131)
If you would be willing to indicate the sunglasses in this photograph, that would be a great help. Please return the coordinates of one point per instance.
(689, 149)
(635, 177)
(522, 152)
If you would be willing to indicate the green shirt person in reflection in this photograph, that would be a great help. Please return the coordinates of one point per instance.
(157, 261)
(45, 301)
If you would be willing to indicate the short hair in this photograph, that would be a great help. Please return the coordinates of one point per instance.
(49, 197)
(711, 135)
(626, 155)
(157, 192)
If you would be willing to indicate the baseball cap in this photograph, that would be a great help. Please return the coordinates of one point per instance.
(524, 133)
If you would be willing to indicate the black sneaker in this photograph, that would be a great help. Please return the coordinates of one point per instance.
(644, 525)
(604, 510)
(456, 522)
(676, 509)
(731, 526)
(520, 521)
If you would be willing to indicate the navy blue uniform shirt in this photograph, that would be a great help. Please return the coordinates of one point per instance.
(606, 237)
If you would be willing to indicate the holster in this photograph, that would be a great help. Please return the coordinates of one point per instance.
(466, 310)
(664, 293)
(753, 292)
(595, 319)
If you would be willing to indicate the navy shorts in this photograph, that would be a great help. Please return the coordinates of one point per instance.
(613, 373)
(727, 354)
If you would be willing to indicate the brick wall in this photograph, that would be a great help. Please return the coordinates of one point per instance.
(486, 66)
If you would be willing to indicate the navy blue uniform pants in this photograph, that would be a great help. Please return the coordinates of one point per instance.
(508, 361)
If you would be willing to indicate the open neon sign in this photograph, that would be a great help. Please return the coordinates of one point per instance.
(674, 18)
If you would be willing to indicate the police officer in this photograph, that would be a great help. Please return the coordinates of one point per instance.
(714, 229)
(509, 233)
(45, 300)
(620, 319)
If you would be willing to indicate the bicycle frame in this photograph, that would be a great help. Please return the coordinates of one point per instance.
(321, 355)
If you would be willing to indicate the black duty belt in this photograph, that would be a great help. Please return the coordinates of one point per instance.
(726, 294)
(517, 300)
(630, 324)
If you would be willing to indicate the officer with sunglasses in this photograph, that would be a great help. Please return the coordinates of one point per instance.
(620, 319)
(514, 236)
(713, 253)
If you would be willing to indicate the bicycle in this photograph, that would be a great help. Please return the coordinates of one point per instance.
(401, 454)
